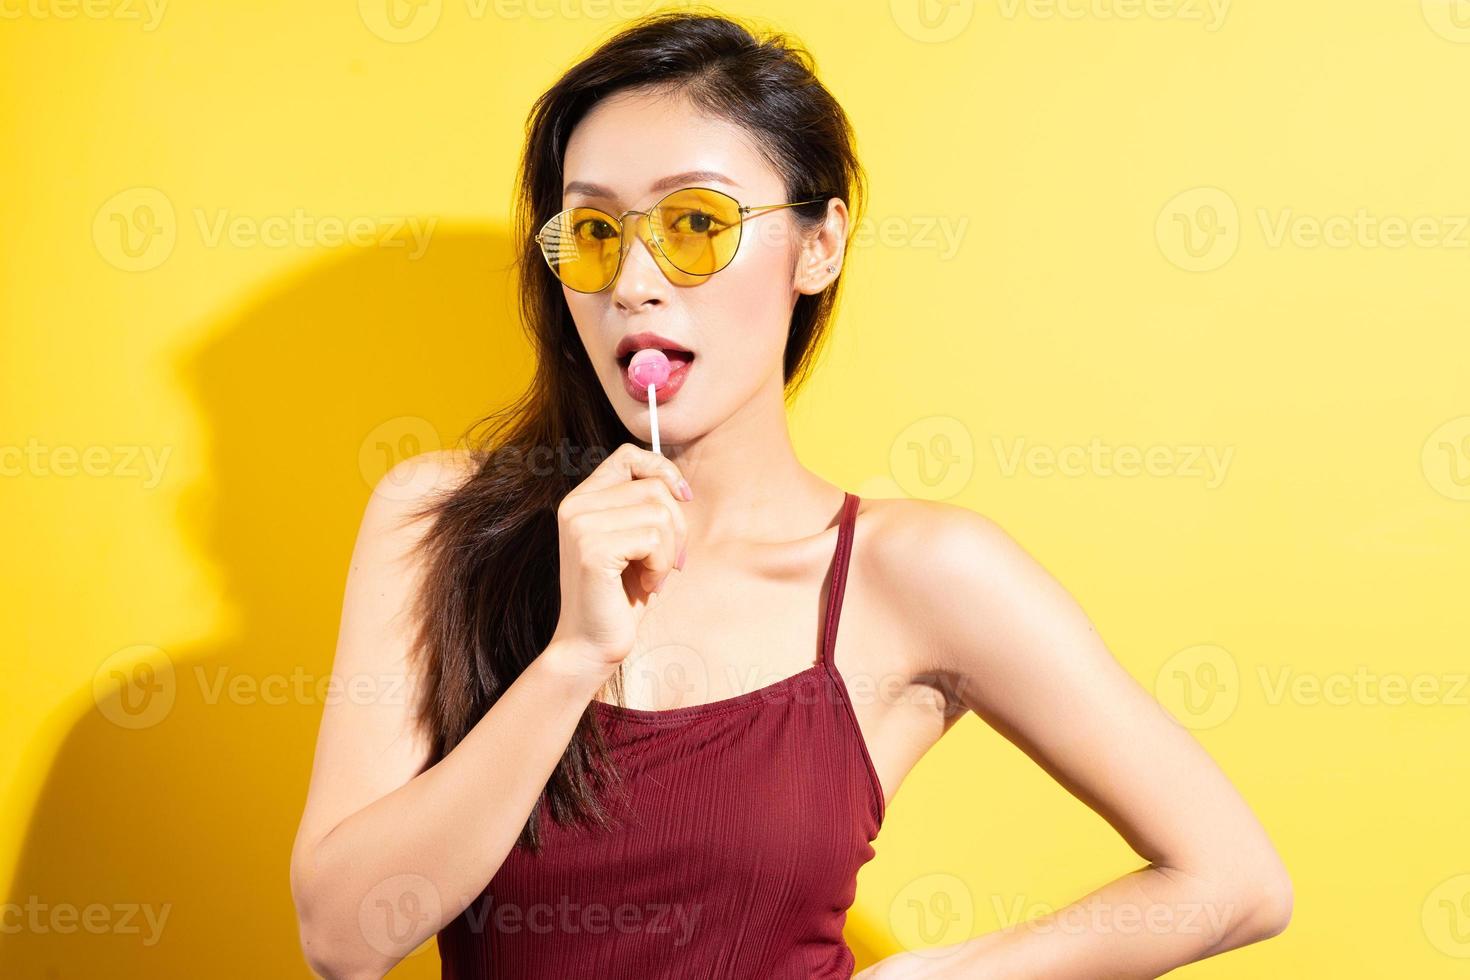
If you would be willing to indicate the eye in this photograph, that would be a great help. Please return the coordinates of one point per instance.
(694, 223)
(595, 228)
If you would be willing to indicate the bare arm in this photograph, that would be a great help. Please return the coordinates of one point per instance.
(374, 836)
(1031, 664)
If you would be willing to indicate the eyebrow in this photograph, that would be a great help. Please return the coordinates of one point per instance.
(668, 183)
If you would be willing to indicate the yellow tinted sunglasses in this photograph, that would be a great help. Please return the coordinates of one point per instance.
(692, 233)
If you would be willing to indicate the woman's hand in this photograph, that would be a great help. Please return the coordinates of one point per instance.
(978, 958)
(621, 532)
(912, 966)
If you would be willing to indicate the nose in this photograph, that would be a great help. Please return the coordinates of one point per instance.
(640, 280)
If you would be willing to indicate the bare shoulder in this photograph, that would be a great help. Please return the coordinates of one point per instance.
(958, 579)
(401, 494)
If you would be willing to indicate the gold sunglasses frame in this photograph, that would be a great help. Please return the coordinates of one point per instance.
(620, 222)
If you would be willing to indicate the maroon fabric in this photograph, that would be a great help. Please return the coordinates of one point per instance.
(749, 819)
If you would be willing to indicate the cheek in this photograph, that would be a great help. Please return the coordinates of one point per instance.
(744, 312)
(584, 311)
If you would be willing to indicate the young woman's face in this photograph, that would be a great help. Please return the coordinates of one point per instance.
(734, 321)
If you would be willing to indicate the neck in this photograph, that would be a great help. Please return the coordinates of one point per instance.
(748, 483)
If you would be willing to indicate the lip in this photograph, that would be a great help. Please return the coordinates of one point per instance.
(638, 341)
(662, 393)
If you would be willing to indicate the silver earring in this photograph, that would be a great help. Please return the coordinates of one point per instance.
(831, 268)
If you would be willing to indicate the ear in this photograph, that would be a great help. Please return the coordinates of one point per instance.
(822, 252)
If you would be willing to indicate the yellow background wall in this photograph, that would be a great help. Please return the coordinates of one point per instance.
(1186, 283)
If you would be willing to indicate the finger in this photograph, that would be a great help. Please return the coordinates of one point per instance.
(630, 462)
(636, 549)
(619, 526)
(649, 490)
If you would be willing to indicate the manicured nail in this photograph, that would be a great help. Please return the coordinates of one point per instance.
(685, 490)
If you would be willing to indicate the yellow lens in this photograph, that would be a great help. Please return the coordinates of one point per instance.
(581, 245)
(698, 229)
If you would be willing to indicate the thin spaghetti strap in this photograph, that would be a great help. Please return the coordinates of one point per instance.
(839, 576)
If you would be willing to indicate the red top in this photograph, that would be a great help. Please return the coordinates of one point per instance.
(749, 819)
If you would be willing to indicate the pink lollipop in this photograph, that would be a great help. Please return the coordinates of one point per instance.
(649, 366)
(648, 369)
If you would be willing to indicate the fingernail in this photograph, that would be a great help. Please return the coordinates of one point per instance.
(680, 563)
(685, 490)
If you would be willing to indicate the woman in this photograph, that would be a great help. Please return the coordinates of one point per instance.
(629, 743)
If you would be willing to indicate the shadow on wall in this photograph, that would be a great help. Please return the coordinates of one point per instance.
(160, 844)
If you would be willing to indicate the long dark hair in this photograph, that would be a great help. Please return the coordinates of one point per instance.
(490, 595)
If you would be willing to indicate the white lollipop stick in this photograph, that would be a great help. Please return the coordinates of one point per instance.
(653, 415)
(650, 367)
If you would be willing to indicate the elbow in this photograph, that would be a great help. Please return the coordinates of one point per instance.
(1276, 904)
(327, 953)
(1265, 909)
(333, 960)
